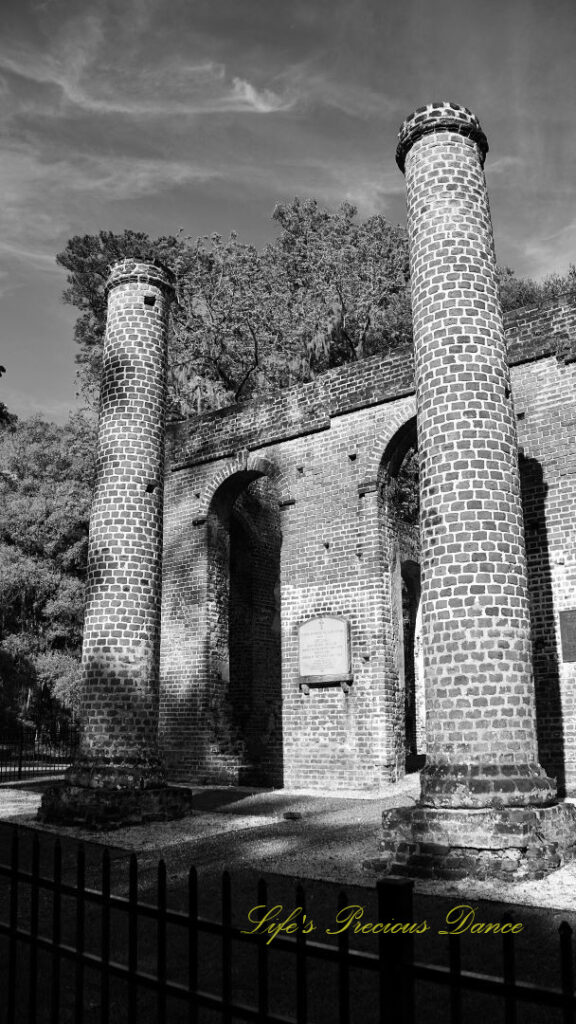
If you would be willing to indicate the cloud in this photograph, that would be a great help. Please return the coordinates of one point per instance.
(552, 252)
(82, 80)
(264, 102)
(503, 164)
(332, 180)
(42, 198)
(311, 87)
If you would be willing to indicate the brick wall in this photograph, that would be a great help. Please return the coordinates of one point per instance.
(326, 451)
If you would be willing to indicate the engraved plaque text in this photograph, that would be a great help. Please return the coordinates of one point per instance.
(324, 649)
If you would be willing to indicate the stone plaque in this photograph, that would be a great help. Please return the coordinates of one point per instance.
(324, 649)
(568, 635)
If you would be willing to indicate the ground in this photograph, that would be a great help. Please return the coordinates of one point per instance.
(322, 841)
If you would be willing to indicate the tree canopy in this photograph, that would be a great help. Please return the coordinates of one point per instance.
(328, 290)
(46, 479)
(246, 322)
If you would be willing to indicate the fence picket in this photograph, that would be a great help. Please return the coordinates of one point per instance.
(509, 974)
(395, 950)
(34, 907)
(343, 967)
(262, 901)
(56, 933)
(79, 939)
(192, 942)
(13, 942)
(133, 940)
(105, 941)
(226, 949)
(301, 985)
(567, 972)
(161, 904)
(455, 955)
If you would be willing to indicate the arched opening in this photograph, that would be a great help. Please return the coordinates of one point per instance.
(244, 702)
(413, 675)
(400, 527)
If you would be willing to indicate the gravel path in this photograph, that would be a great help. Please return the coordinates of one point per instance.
(300, 834)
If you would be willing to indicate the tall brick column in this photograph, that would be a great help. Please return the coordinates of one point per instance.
(118, 775)
(482, 778)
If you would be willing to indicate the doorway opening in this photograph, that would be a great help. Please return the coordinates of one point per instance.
(244, 704)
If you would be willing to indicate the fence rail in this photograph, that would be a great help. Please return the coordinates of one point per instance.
(24, 753)
(73, 952)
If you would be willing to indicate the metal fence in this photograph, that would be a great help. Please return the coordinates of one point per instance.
(26, 753)
(71, 952)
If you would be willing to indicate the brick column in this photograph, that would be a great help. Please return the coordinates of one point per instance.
(480, 730)
(475, 616)
(118, 774)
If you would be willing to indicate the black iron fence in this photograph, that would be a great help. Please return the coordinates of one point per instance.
(25, 752)
(70, 951)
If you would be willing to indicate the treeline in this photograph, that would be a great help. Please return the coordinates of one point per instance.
(46, 480)
(328, 290)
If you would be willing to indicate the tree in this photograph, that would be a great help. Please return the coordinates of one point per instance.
(347, 283)
(88, 259)
(7, 419)
(46, 479)
(247, 322)
(517, 292)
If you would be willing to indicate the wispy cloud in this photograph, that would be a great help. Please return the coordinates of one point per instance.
(503, 165)
(312, 87)
(43, 196)
(83, 79)
(551, 252)
(264, 102)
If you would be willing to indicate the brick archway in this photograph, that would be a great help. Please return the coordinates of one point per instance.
(243, 550)
(386, 441)
(250, 465)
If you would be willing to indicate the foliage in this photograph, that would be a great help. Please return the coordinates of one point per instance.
(403, 494)
(328, 290)
(88, 260)
(46, 477)
(517, 292)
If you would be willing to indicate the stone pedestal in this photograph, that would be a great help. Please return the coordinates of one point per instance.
(119, 776)
(511, 844)
(483, 793)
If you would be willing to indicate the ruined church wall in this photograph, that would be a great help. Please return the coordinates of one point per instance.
(544, 391)
(321, 446)
(333, 561)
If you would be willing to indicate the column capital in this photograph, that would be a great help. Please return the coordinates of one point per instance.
(133, 271)
(439, 117)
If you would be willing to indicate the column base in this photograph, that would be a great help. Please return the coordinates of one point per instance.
(508, 843)
(486, 785)
(109, 808)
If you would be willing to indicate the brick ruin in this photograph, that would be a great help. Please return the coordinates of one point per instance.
(327, 456)
(119, 775)
(291, 509)
(319, 631)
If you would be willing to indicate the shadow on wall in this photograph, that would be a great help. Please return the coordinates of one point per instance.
(243, 633)
(549, 725)
(398, 507)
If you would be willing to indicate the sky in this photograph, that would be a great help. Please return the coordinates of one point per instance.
(202, 115)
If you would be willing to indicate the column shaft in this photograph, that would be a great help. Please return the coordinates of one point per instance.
(118, 776)
(120, 654)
